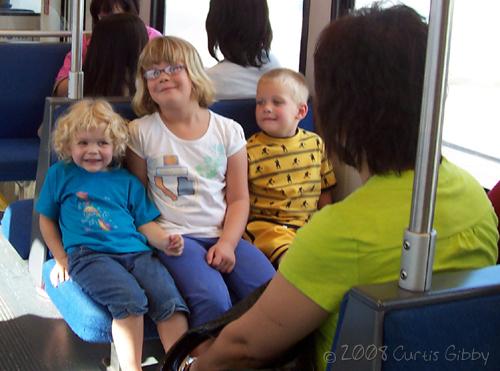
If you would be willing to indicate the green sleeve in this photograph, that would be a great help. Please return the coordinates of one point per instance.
(322, 262)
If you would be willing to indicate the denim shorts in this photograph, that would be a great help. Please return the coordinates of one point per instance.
(127, 284)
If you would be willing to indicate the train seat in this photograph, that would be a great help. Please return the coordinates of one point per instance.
(454, 326)
(243, 112)
(88, 319)
(16, 224)
(27, 72)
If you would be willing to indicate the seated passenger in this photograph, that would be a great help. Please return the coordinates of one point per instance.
(99, 9)
(369, 117)
(97, 220)
(290, 176)
(242, 32)
(194, 163)
(111, 62)
(494, 196)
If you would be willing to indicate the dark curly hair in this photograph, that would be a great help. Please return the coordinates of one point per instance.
(369, 72)
(241, 30)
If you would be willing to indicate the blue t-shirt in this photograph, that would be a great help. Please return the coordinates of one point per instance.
(100, 211)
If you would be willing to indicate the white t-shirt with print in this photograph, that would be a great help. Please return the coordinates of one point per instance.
(187, 178)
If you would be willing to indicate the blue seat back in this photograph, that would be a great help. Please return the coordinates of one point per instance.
(27, 76)
(243, 112)
(460, 335)
(454, 326)
(27, 72)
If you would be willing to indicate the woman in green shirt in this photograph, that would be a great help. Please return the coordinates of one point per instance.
(369, 72)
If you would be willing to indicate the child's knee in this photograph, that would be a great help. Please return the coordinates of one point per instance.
(128, 303)
(168, 308)
(205, 307)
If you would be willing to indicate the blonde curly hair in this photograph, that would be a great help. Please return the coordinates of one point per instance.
(89, 114)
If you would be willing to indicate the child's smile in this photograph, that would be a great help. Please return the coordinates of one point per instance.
(92, 150)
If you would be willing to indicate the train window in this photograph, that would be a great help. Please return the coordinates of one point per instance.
(421, 6)
(21, 6)
(286, 21)
(472, 112)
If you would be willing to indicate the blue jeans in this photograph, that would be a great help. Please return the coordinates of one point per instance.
(208, 292)
(127, 284)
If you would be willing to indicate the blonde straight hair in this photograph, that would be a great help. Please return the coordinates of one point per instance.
(171, 50)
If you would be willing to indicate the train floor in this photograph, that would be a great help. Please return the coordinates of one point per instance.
(33, 336)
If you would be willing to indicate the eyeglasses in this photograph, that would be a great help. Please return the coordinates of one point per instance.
(154, 73)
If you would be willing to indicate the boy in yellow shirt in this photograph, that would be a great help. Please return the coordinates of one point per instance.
(289, 174)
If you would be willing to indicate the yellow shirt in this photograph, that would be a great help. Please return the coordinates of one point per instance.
(286, 176)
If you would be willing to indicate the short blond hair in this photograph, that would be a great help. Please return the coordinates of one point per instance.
(85, 115)
(294, 81)
(171, 50)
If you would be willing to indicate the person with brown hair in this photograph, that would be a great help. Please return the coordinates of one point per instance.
(99, 9)
(242, 32)
(112, 56)
(369, 73)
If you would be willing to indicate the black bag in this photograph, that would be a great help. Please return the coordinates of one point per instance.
(297, 358)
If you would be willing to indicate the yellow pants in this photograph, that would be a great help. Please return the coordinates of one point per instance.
(3, 202)
(271, 238)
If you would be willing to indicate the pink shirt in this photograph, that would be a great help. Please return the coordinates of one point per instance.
(66, 67)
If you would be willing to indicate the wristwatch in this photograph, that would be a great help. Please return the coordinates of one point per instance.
(186, 364)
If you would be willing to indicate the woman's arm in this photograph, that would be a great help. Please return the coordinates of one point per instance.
(52, 237)
(279, 319)
(62, 78)
(61, 88)
(221, 255)
(137, 166)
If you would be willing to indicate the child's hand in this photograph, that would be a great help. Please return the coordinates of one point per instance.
(174, 245)
(221, 257)
(59, 273)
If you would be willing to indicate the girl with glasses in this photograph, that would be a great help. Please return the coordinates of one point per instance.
(194, 163)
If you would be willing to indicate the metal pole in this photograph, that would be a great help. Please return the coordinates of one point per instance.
(18, 33)
(75, 86)
(419, 239)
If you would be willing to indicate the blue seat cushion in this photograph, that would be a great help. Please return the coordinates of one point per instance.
(18, 158)
(88, 319)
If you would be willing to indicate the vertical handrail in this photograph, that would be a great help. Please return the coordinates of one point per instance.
(75, 85)
(419, 239)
